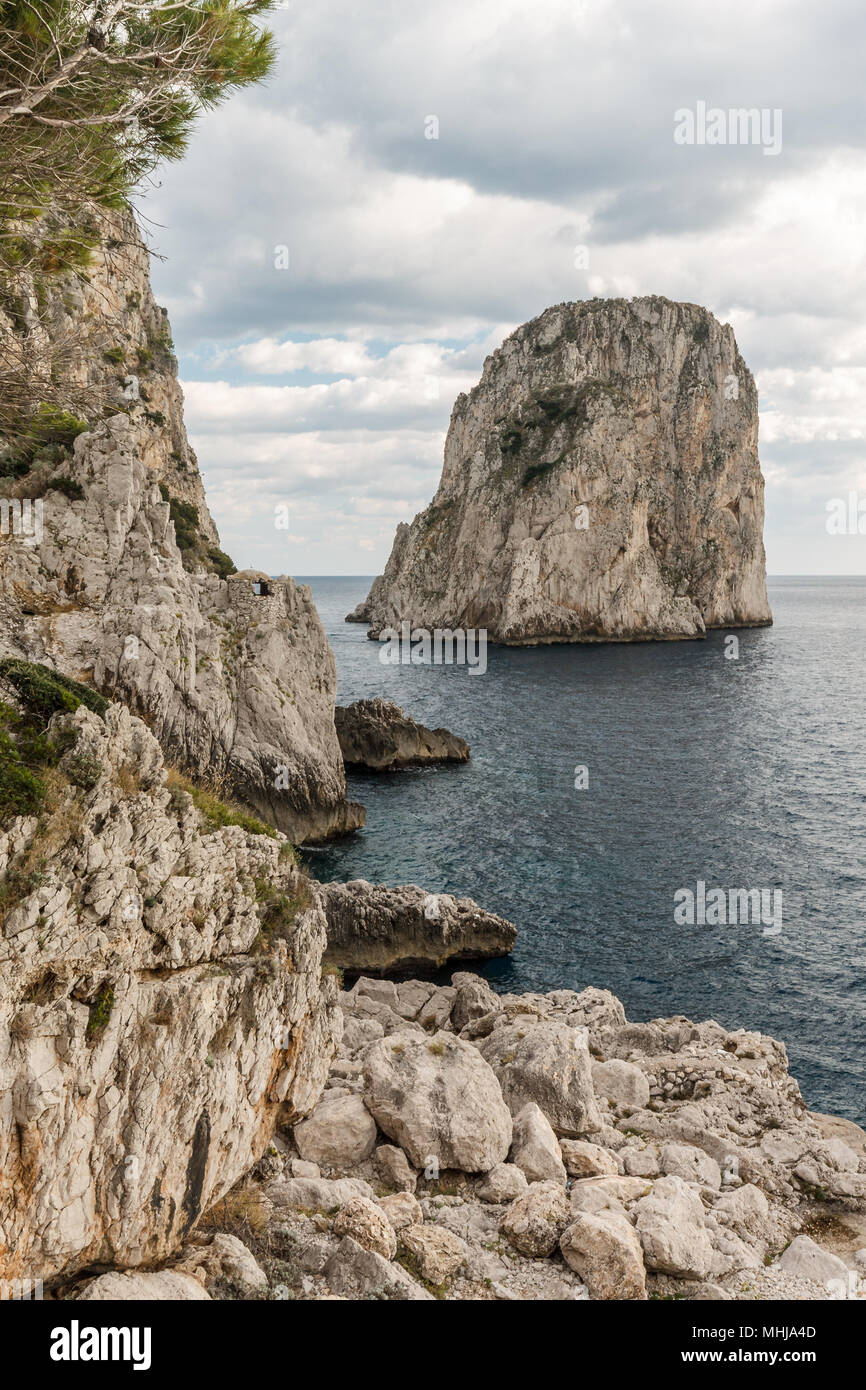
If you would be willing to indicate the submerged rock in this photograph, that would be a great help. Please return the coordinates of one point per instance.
(601, 482)
(376, 734)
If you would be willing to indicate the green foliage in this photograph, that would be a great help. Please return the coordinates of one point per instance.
(100, 1013)
(47, 436)
(222, 563)
(44, 692)
(185, 518)
(74, 491)
(83, 771)
(22, 792)
(94, 97)
(114, 354)
(190, 542)
(277, 911)
(217, 813)
(26, 753)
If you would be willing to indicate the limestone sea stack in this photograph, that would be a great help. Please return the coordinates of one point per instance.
(601, 483)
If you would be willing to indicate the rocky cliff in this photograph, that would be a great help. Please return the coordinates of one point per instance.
(162, 1000)
(115, 574)
(600, 483)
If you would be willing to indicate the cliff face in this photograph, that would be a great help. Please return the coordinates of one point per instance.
(600, 483)
(161, 1003)
(124, 583)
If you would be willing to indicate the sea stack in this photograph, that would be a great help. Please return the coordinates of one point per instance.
(600, 483)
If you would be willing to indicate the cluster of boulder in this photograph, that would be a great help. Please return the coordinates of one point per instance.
(470, 1145)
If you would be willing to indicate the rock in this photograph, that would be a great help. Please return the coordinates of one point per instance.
(746, 1206)
(607, 1193)
(310, 1194)
(685, 1161)
(641, 1163)
(546, 1063)
(671, 1226)
(604, 1250)
(162, 1286)
(377, 735)
(502, 1184)
(402, 1209)
(365, 1222)
(358, 1032)
(373, 927)
(475, 1000)
(438, 1253)
(436, 1013)
(300, 1168)
(158, 1037)
(437, 1097)
(584, 1160)
(393, 1168)
(223, 1257)
(803, 1259)
(535, 1148)
(340, 1133)
(534, 1222)
(233, 674)
(412, 995)
(561, 512)
(622, 1083)
(360, 1273)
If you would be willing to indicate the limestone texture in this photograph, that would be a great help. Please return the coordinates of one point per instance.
(600, 483)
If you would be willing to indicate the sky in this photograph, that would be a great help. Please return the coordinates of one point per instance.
(341, 248)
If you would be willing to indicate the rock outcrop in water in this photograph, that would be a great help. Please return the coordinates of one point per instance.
(124, 584)
(375, 928)
(377, 735)
(601, 482)
(161, 1003)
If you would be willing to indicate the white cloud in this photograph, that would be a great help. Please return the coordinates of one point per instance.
(410, 259)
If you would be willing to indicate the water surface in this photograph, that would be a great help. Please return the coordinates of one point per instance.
(747, 773)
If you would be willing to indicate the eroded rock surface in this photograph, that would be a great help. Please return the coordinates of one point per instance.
(374, 927)
(125, 585)
(377, 735)
(601, 482)
(156, 1013)
(711, 1118)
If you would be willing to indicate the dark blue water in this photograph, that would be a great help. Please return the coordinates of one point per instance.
(747, 773)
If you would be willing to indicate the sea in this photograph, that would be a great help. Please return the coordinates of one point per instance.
(608, 782)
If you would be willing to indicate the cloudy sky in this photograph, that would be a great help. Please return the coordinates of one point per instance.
(344, 246)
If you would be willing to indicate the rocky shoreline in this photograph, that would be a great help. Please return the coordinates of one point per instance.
(474, 1146)
(190, 1106)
